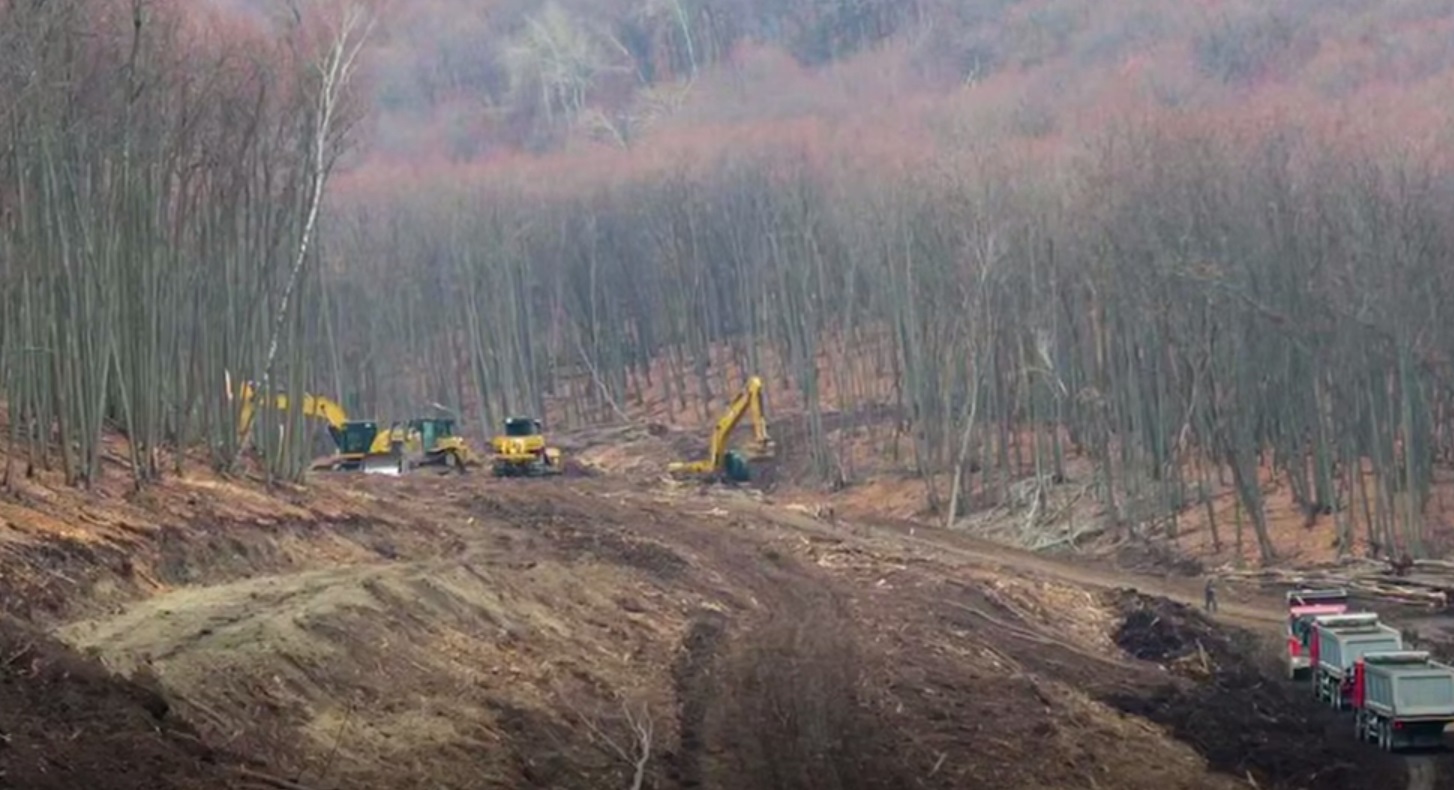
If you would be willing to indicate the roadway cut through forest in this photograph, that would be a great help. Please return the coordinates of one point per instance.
(535, 634)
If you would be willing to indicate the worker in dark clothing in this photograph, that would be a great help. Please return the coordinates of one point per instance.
(1211, 595)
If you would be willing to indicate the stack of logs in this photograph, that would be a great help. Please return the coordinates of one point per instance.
(1404, 580)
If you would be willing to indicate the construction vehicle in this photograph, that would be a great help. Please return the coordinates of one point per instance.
(360, 444)
(722, 463)
(431, 441)
(1336, 642)
(1402, 699)
(1302, 607)
(521, 450)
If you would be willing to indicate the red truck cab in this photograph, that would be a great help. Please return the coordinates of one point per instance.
(1302, 607)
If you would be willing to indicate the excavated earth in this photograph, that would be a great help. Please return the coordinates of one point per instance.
(586, 632)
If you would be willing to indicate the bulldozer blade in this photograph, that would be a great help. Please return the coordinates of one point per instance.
(383, 465)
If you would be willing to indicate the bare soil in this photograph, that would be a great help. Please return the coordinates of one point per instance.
(462, 632)
(66, 722)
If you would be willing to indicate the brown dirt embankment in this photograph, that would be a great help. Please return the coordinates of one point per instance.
(462, 632)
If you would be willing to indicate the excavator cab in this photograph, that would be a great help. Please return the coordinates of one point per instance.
(735, 467)
(354, 437)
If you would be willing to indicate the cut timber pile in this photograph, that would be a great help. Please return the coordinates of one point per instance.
(1427, 582)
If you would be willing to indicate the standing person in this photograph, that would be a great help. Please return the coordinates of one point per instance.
(1210, 604)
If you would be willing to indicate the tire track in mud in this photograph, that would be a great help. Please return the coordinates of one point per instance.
(768, 689)
(691, 682)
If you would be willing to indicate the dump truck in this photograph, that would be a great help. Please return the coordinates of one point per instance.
(1302, 607)
(1336, 643)
(1402, 699)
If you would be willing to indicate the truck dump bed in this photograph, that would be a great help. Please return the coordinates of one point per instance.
(1408, 685)
(1402, 699)
(1335, 649)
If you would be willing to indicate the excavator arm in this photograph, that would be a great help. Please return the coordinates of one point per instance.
(747, 402)
(315, 406)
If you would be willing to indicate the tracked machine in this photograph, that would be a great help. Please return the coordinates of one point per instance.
(721, 463)
(430, 442)
(360, 445)
(521, 451)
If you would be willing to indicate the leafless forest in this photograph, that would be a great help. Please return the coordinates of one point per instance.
(1185, 296)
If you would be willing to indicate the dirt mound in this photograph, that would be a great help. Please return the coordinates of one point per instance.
(1155, 629)
(65, 722)
(1232, 707)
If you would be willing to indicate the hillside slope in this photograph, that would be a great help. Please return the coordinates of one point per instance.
(435, 631)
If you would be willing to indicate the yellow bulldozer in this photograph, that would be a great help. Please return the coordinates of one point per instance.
(521, 451)
(431, 441)
(722, 463)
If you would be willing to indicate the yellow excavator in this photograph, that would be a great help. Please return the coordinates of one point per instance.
(729, 464)
(360, 443)
(521, 451)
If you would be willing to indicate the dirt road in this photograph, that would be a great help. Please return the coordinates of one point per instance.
(1251, 610)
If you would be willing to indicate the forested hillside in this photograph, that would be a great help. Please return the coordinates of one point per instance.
(1192, 242)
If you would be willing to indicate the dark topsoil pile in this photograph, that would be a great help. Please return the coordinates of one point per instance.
(1230, 705)
(65, 722)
